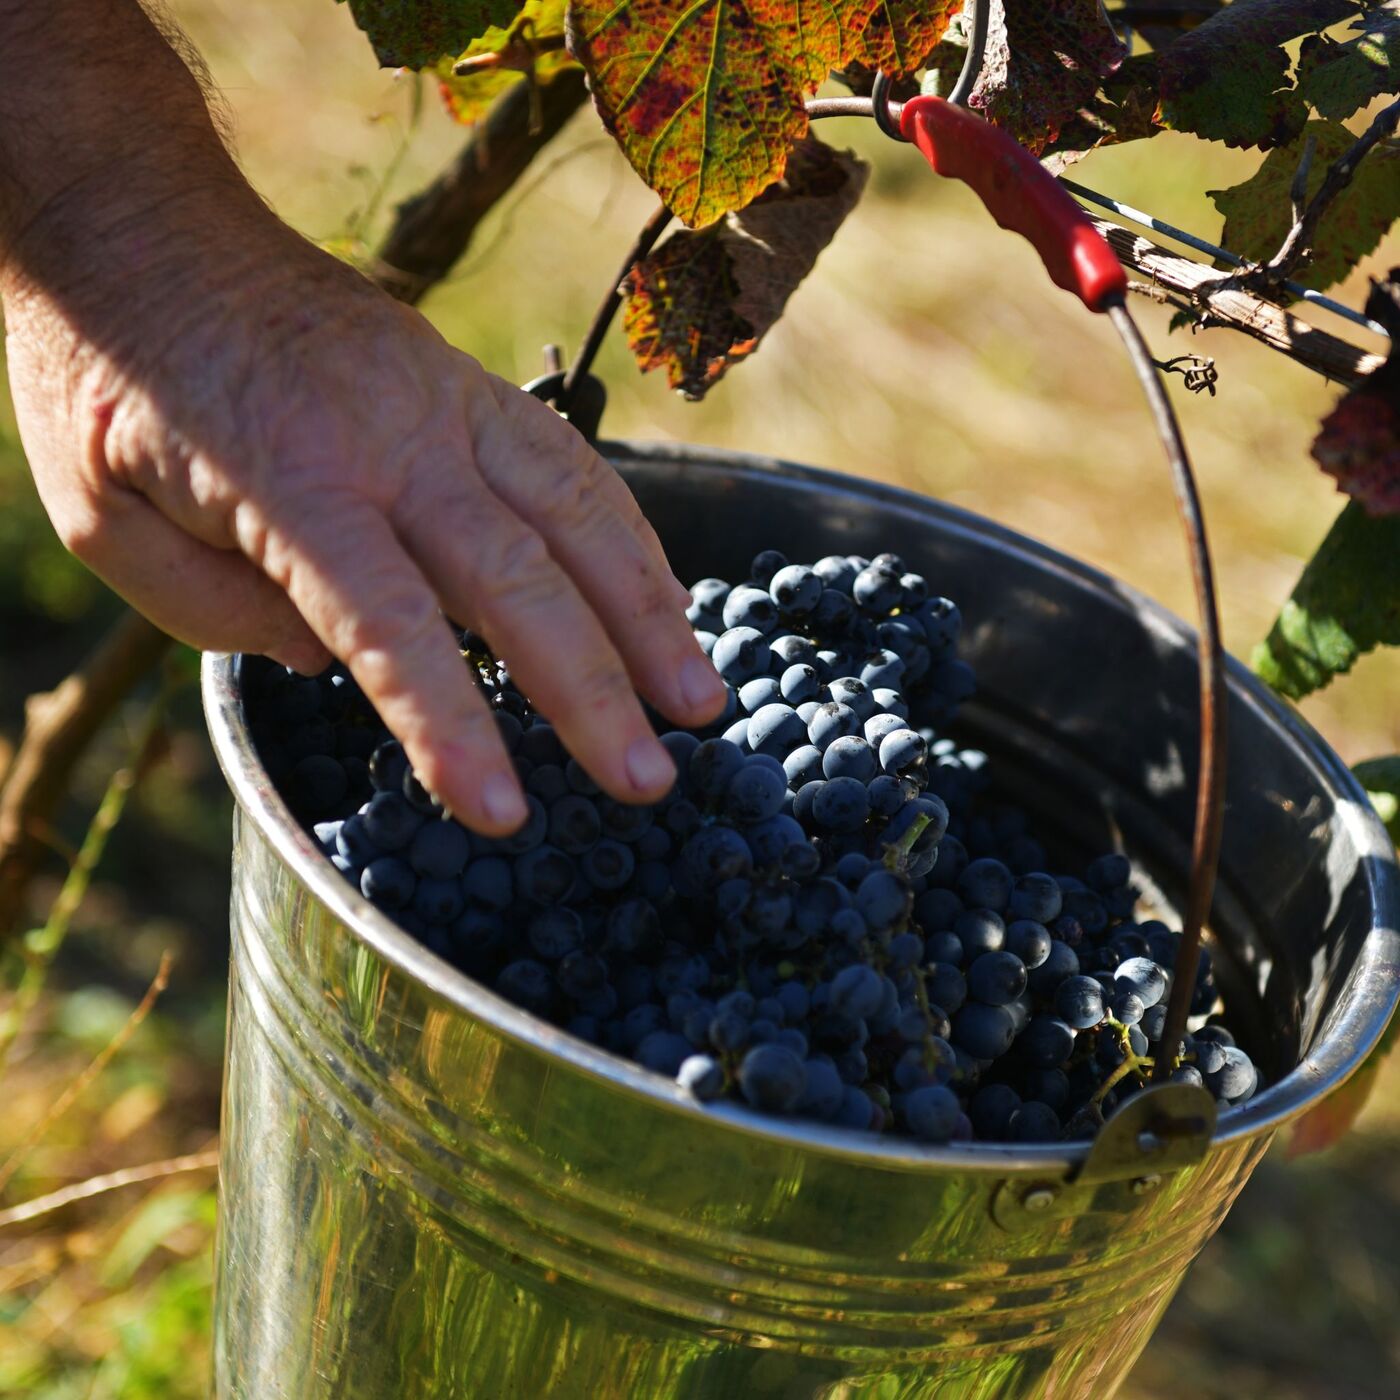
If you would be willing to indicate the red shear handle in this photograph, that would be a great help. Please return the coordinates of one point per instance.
(1020, 194)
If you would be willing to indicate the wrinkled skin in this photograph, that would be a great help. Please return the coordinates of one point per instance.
(263, 452)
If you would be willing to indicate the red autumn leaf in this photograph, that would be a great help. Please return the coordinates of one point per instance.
(1124, 109)
(703, 300)
(897, 35)
(1044, 63)
(1359, 443)
(707, 99)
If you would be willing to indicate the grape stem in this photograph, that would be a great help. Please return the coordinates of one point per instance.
(897, 857)
(1132, 1063)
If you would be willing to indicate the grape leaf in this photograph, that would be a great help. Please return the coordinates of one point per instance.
(1341, 78)
(1326, 1123)
(1044, 63)
(1259, 212)
(1124, 109)
(703, 300)
(1381, 779)
(706, 99)
(469, 95)
(1347, 602)
(1360, 439)
(896, 35)
(416, 33)
(1227, 80)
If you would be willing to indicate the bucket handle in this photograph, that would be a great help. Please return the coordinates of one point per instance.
(1021, 195)
(1024, 197)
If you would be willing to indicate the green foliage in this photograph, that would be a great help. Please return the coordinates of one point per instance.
(1258, 213)
(1339, 78)
(1227, 79)
(1346, 603)
(703, 300)
(416, 33)
(1381, 779)
(896, 35)
(1044, 63)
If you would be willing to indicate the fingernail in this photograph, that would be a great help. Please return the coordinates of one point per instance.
(649, 766)
(501, 800)
(701, 685)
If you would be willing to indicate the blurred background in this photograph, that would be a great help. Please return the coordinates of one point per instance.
(929, 350)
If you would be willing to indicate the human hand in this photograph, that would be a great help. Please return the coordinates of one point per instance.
(264, 453)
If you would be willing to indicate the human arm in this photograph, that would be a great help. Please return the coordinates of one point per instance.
(264, 453)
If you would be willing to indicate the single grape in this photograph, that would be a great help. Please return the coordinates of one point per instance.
(740, 654)
(1035, 896)
(1143, 978)
(985, 884)
(771, 1077)
(985, 1032)
(761, 691)
(849, 757)
(702, 1076)
(440, 850)
(388, 882)
(1079, 1002)
(796, 589)
(996, 978)
(750, 607)
(775, 730)
(931, 1113)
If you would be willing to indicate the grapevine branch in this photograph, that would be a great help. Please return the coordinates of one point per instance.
(1192, 286)
(433, 227)
(58, 728)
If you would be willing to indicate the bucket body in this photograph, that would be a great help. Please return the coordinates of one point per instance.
(427, 1191)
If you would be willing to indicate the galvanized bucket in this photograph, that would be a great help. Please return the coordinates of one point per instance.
(426, 1191)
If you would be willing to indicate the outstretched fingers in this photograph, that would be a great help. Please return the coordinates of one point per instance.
(491, 569)
(546, 472)
(353, 582)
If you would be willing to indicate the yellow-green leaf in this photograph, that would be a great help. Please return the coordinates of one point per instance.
(520, 50)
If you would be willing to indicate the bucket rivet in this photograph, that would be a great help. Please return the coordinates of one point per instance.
(1144, 1184)
(1038, 1198)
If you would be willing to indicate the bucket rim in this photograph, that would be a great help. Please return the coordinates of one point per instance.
(1357, 1024)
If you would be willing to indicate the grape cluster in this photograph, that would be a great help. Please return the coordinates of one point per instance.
(825, 917)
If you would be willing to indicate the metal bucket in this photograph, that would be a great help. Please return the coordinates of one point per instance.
(426, 1191)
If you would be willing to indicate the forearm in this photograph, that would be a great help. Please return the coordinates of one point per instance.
(105, 143)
